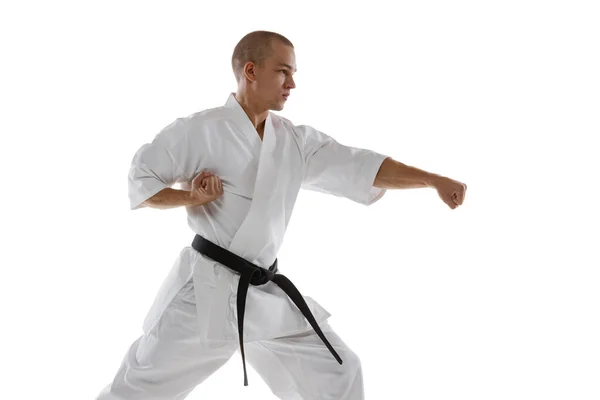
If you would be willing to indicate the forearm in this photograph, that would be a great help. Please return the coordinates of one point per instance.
(395, 175)
(171, 198)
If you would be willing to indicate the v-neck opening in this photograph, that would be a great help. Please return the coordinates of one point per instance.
(244, 123)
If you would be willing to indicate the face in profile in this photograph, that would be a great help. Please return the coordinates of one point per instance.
(274, 79)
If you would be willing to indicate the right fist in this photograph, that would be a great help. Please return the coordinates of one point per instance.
(206, 187)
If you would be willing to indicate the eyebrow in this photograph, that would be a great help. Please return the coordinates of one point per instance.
(287, 66)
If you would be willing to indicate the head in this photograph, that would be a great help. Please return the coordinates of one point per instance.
(263, 64)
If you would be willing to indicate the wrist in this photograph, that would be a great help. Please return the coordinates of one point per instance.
(432, 180)
(193, 200)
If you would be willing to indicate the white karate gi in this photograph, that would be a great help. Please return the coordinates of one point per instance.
(191, 329)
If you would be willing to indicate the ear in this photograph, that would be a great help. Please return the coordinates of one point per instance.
(250, 71)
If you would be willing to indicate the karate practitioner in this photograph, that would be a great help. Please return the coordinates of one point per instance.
(240, 167)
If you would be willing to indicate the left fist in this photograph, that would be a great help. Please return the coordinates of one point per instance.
(450, 191)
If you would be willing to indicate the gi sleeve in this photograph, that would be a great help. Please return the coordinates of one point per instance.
(340, 170)
(155, 166)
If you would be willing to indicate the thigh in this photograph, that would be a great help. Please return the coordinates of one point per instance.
(170, 360)
(300, 367)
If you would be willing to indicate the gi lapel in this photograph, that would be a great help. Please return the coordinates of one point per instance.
(243, 122)
(250, 240)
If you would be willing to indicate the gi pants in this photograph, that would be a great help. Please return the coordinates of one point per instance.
(170, 360)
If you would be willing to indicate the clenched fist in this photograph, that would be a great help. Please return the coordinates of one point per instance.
(450, 191)
(206, 187)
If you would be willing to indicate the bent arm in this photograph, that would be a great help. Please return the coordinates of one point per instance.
(170, 198)
(395, 175)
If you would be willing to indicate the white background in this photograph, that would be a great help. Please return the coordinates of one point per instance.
(498, 299)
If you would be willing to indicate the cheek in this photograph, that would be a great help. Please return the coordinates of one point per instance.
(273, 84)
(276, 85)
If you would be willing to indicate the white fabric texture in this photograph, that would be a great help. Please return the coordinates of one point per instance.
(168, 362)
(261, 181)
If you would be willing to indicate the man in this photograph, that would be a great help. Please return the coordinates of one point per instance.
(241, 168)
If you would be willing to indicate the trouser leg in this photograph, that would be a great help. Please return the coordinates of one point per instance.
(168, 362)
(300, 367)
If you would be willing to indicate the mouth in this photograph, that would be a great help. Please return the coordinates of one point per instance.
(285, 96)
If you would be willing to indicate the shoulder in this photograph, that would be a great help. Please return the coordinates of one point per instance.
(192, 127)
(307, 135)
(210, 115)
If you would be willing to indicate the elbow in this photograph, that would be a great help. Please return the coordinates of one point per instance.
(384, 177)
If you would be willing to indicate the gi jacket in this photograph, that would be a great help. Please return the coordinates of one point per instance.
(261, 181)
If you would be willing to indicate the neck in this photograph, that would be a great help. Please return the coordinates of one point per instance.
(255, 112)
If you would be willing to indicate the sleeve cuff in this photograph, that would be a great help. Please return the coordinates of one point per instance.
(137, 198)
(370, 194)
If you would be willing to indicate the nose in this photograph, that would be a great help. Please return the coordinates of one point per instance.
(290, 83)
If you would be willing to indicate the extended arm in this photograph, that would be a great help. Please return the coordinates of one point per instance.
(395, 175)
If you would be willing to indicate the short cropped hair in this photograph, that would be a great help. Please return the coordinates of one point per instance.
(254, 47)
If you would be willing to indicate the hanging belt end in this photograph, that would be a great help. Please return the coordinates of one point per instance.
(337, 357)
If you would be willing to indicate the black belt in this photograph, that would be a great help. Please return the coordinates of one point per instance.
(255, 275)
